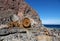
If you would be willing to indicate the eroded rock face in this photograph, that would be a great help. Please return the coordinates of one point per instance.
(18, 9)
(17, 20)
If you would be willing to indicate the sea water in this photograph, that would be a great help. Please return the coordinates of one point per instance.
(52, 26)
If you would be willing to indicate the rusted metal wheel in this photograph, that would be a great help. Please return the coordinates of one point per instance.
(26, 23)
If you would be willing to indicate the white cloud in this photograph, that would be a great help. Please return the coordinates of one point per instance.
(51, 21)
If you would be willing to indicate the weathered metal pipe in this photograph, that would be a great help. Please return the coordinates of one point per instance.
(26, 23)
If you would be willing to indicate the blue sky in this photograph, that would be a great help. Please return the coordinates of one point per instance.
(48, 10)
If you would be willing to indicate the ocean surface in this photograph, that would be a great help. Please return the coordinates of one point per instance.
(52, 26)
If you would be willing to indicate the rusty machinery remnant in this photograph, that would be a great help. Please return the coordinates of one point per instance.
(26, 22)
(14, 24)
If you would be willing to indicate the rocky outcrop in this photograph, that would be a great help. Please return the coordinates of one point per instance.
(19, 9)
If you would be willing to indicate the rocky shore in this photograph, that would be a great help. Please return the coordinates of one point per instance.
(19, 22)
